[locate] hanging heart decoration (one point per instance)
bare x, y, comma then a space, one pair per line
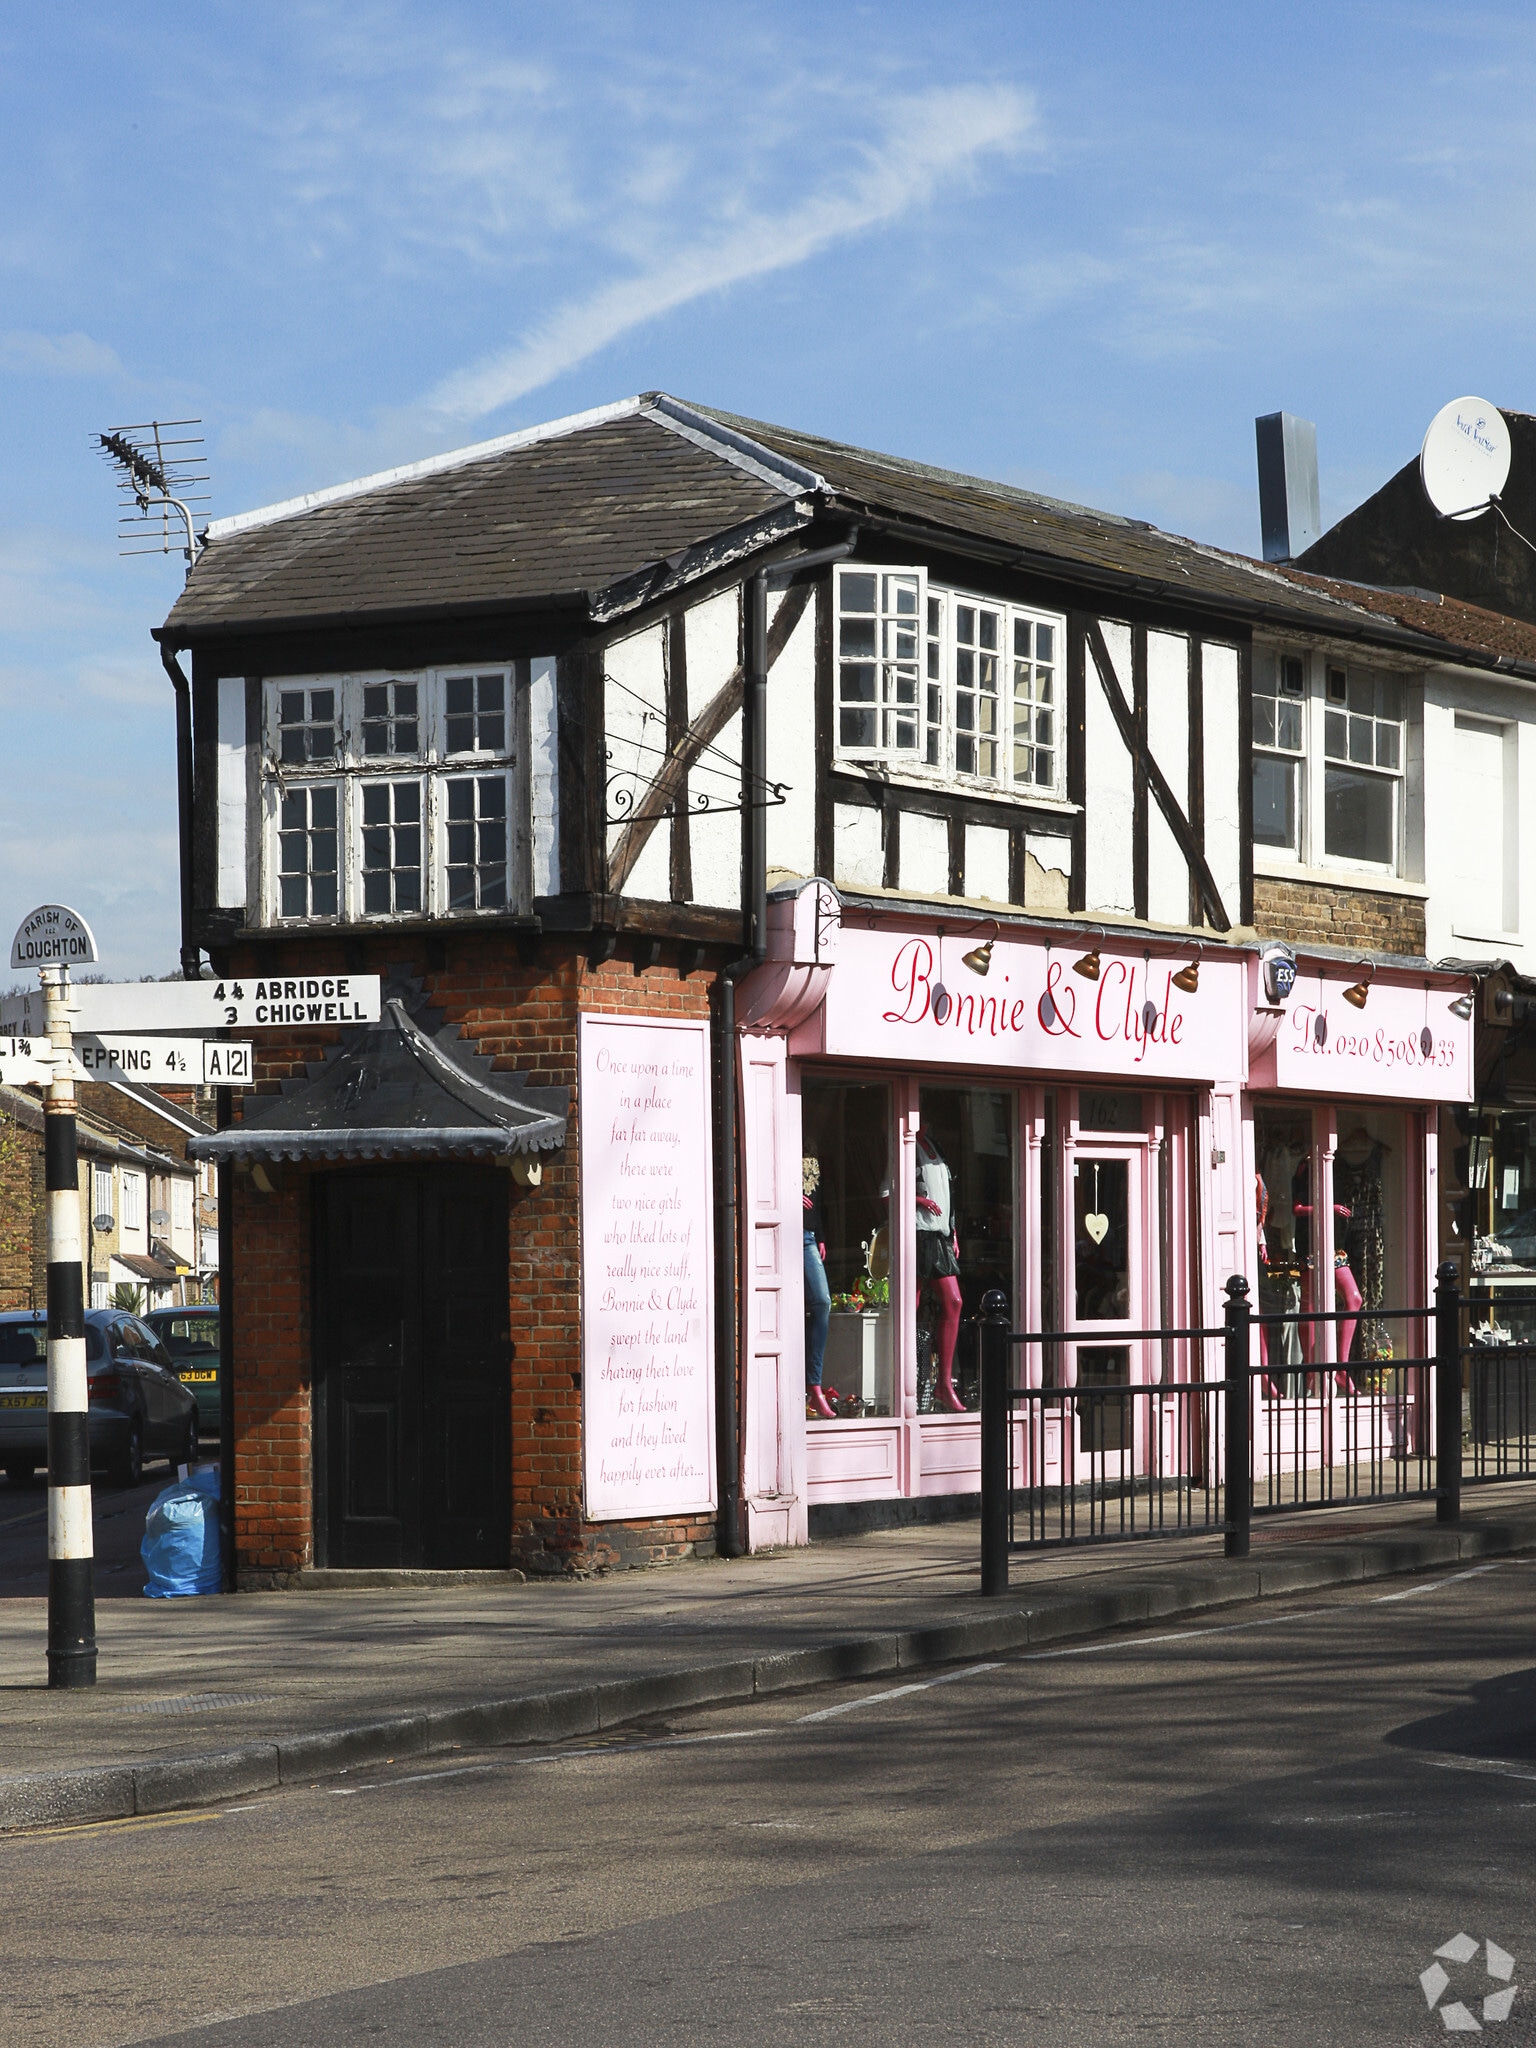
1097, 1226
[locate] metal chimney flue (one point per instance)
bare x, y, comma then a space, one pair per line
1288, 507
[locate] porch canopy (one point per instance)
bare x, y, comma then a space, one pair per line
394, 1090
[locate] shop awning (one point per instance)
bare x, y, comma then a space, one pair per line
398, 1089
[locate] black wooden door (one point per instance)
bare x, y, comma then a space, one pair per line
412, 1380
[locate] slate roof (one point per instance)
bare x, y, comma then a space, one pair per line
403, 1088
548, 519
565, 513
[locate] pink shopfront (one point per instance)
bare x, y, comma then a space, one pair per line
933, 1111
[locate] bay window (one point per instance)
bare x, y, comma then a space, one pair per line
948, 684
391, 796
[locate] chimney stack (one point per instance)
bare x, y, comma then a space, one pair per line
1288, 512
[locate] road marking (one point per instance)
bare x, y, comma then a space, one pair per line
1434, 1585
1492, 1769
129, 1824
555, 1756
1182, 1635
897, 1692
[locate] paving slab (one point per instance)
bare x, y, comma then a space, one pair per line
209, 1698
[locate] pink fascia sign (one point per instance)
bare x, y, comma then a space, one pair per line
647, 1353
1032, 1009
1325, 1046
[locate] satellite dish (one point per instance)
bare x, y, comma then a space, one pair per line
1464, 462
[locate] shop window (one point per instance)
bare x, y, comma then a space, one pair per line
1498, 1169
845, 1175
1369, 1272
963, 1235
1101, 1229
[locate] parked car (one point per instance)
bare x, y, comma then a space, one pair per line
138, 1407
191, 1335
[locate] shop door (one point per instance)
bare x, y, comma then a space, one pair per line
413, 1379
1107, 1292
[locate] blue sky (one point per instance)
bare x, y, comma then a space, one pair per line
1074, 246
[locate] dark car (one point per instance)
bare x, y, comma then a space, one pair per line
138, 1407
191, 1335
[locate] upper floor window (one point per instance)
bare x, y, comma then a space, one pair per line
1328, 760
133, 1201
947, 682
365, 818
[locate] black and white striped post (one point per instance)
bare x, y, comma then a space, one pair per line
71, 1549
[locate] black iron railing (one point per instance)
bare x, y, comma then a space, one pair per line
1104, 1459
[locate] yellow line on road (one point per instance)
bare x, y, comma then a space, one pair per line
129, 1823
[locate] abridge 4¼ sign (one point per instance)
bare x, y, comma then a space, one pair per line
110, 1008
51, 934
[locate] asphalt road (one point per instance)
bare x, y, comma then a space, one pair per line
117, 1516
1258, 1830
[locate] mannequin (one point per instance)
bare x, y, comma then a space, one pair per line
818, 1295
938, 1262
1345, 1287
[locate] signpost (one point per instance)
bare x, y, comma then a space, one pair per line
151, 1031
111, 1007
184, 1062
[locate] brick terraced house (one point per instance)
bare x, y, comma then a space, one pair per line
811, 889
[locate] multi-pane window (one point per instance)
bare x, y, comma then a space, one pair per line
475, 714
1279, 748
476, 834
133, 1201
391, 847
306, 726
879, 711
392, 795
308, 848
978, 662
1328, 760
181, 1204
1363, 756
101, 1198
391, 718
933, 684
1034, 703
948, 683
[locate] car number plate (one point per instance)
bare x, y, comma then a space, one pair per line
23, 1400
201, 1374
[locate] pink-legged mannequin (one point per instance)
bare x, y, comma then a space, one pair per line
946, 1292
1347, 1288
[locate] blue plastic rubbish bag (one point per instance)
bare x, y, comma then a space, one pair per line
181, 1538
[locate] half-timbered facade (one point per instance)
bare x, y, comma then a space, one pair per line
754, 831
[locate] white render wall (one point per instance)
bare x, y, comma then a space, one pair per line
1110, 790
1480, 818
636, 717
714, 650
792, 745
1168, 741
1224, 772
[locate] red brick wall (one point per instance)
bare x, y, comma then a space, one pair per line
1314, 914
524, 1014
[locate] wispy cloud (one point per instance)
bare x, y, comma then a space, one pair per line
24, 352
934, 140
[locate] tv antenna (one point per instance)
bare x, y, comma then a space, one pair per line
159, 466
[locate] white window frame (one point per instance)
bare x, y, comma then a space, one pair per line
181, 1203
886, 659
1311, 850
132, 1185
431, 767
936, 754
103, 1200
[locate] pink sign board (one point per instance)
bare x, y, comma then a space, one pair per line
647, 1373
1033, 1009
1378, 1050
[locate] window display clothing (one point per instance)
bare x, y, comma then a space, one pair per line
938, 1264
818, 1295
1345, 1287
1359, 1183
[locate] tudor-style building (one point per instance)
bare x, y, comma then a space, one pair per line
741, 821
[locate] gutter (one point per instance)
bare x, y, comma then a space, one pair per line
754, 924
191, 959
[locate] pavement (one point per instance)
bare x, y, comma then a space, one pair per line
217, 1697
